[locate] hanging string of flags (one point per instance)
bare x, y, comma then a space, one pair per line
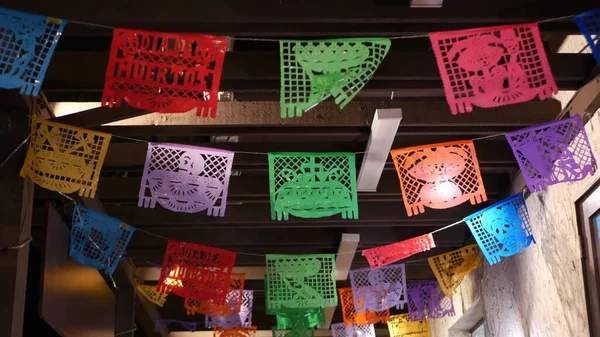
185, 178
175, 73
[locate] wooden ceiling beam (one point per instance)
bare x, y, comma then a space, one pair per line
234, 118
99, 116
155, 14
250, 215
260, 71
268, 240
157, 253
132, 156
254, 188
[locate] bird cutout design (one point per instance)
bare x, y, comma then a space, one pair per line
493, 66
450, 268
27, 43
312, 71
426, 300
341, 330
312, 185
402, 326
589, 24
439, 176
235, 332
164, 72
351, 314
187, 179
384, 255
199, 272
379, 289
65, 158
97, 240
300, 282
503, 229
553, 152
293, 276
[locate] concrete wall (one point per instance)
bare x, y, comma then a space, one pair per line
539, 292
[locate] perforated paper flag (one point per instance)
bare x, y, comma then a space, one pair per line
153, 296
241, 318
294, 319
312, 71
363, 317
232, 304
184, 178
402, 326
502, 229
427, 300
493, 66
235, 332
97, 240
589, 24
163, 323
553, 152
341, 330
300, 281
379, 289
313, 185
200, 272
164, 72
450, 268
65, 158
384, 255
439, 175
293, 333
27, 42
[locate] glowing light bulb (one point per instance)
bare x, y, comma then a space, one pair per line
172, 280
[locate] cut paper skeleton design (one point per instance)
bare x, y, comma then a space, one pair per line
506, 228
186, 190
498, 78
186, 179
381, 295
437, 169
439, 176
17, 61
493, 66
553, 158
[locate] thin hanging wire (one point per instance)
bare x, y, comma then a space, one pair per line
266, 153
257, 39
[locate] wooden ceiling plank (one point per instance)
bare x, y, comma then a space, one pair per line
156, 14
99, 116
132, 156
292, 238
418, 113
245, 70
252, 187
255, 215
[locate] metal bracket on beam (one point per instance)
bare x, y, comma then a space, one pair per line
426, 3
383, 131
343, 263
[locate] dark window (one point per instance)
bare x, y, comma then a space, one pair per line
588, 221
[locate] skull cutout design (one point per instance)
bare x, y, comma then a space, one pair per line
502, 229
438, 176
